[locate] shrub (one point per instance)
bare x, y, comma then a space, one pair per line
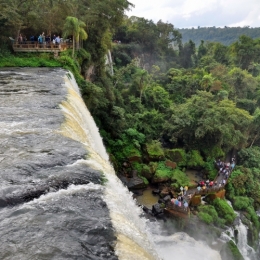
177, 155
210, 168
155, 150
213, 152
241, 203
233, 248
224, 210
208, 214
179, 179
163, 171
249, 157
205, 217
194, 159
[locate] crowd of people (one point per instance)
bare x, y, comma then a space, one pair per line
41, 39
224, 172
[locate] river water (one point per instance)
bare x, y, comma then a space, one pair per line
59, 196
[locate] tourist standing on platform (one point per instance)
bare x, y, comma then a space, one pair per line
40, 39
43, 38
57, 40
20, 38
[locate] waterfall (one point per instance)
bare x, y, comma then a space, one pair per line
133, 239
247, 252
109, 62
59, 196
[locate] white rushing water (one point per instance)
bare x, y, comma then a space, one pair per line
246, 251
135, 240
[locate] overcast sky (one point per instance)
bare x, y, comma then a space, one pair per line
204, 13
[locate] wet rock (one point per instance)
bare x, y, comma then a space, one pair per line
161, 201
167, 198
156, 209
156, 192
133, 183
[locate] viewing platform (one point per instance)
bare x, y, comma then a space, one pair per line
193, 196
29, 46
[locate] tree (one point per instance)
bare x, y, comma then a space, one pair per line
202, 122
243, 50
186, 54
202, 50
75, 27
242, 82
206, 81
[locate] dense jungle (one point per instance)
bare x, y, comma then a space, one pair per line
162, 100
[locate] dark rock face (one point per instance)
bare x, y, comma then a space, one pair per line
156, 209
132, 183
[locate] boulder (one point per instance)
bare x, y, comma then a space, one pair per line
160, 201
156, 192
134, 158
164, 192
177, 155
167, 198
147, 173
171, 164
155, 151
156, 179
156, 209
133, 183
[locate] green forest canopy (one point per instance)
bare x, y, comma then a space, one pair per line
226, 35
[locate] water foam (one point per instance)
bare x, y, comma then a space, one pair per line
133, 238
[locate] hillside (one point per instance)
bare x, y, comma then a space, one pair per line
225, 35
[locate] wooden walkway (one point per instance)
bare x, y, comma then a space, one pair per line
191, 193
40, 47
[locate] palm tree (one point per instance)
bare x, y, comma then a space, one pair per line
75, 27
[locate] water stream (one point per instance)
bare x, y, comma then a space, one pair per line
246, 251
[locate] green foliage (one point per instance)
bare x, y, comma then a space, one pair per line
199, 123
131, 151
235, 252
208, 214
210, 168
30, 61
207, 218
162, 171
129, 145
177, 155
154, 149
213, 152
238, 180
146, 182
226, 35
249, 157
241, 203
137, 166
224, 210
178, 179
194, 159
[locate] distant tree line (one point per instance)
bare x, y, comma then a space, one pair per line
226, 35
